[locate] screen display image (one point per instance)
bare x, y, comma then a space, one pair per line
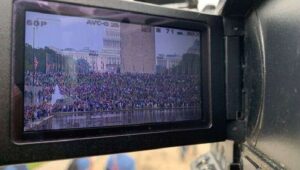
91, 73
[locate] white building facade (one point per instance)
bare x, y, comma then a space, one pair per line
107, 58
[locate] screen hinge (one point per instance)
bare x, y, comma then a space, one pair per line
236, 130
234, 34
234, 61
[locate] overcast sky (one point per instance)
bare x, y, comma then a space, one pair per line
73, 32
170, 41
64, 32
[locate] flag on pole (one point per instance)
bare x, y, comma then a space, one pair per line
36, 62
47, 64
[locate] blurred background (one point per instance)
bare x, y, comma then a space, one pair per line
173, 158
213, 7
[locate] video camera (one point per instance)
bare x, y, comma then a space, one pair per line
82, 78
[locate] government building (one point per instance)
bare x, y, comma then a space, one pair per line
106, 59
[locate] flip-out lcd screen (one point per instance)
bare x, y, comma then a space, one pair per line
91, 73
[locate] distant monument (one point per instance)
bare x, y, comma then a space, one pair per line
137, 49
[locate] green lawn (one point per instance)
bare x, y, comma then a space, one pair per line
32, 166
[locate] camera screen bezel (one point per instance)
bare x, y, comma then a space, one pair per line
20, 135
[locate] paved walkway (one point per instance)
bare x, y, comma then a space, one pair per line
55, 165
164, 159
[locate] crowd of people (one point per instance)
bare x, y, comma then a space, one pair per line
109, 92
